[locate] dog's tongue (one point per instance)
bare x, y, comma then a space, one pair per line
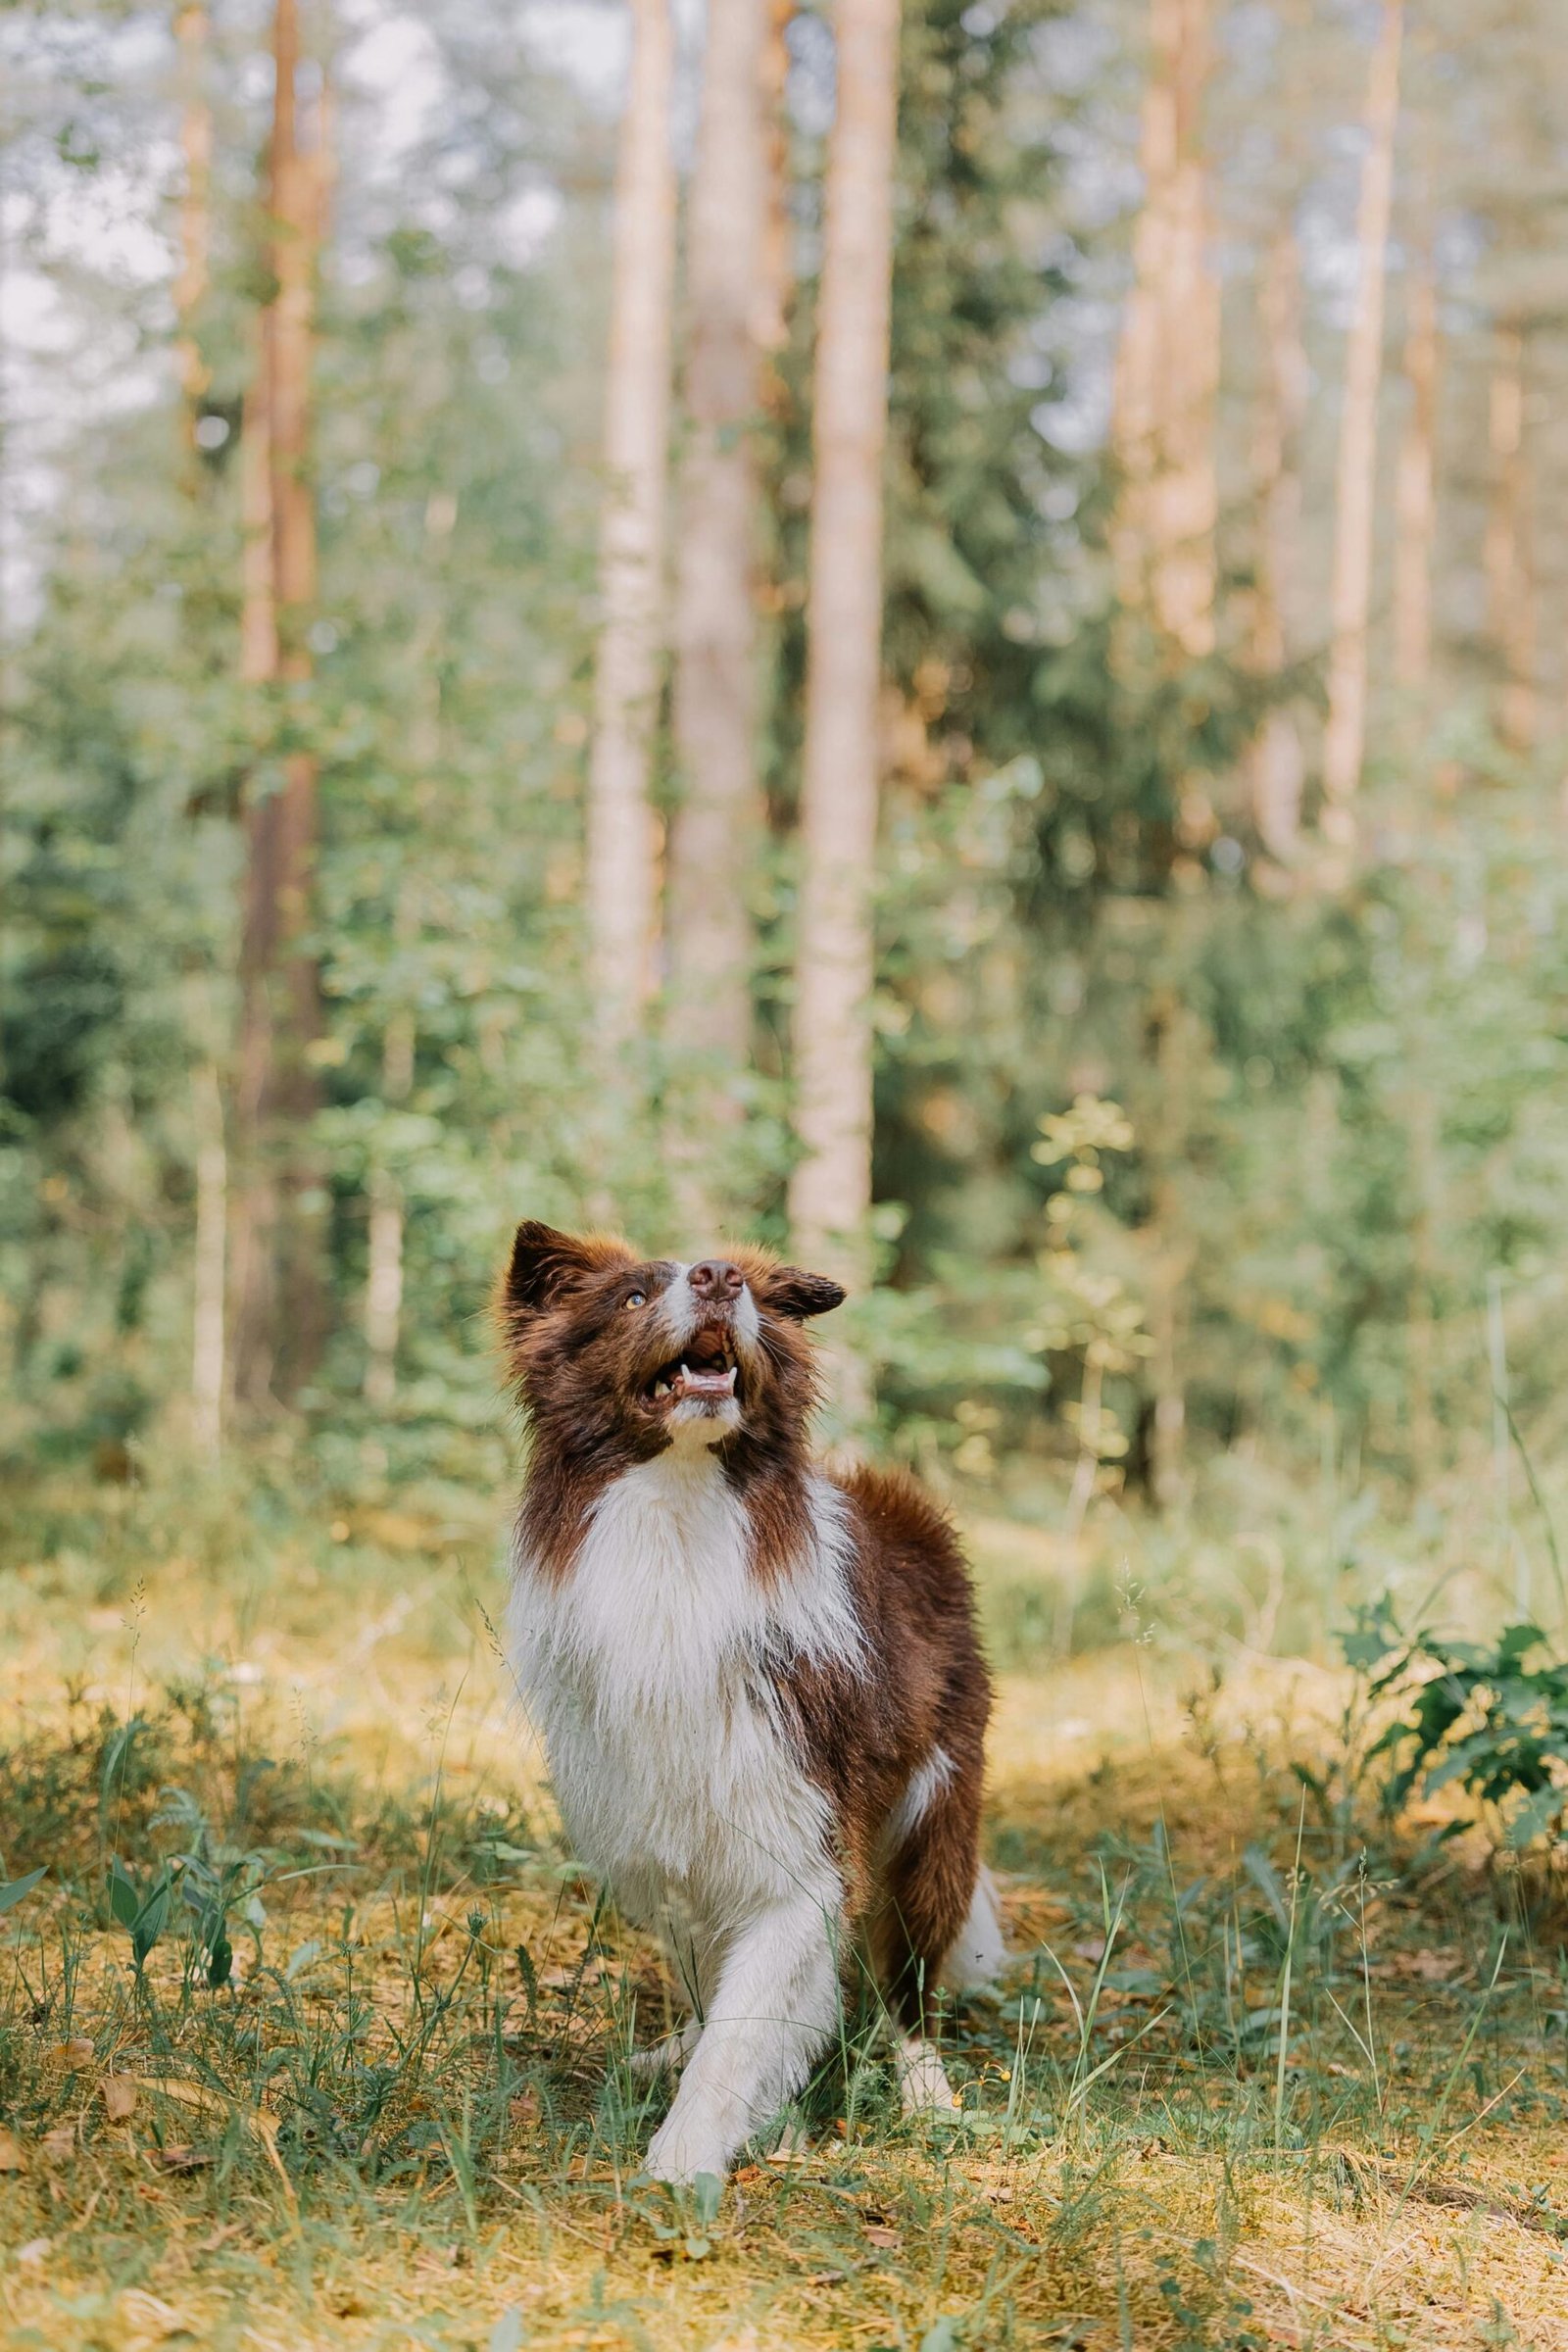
698, 1381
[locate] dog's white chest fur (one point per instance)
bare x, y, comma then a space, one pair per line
645, 1671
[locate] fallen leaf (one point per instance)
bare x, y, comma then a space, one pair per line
75, 2052
60, 2145
181, 2160
119, 2095
12, 2159
33, 2252
891, 2239
526, 2109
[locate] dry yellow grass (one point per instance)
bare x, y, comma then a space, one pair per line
1418, 2195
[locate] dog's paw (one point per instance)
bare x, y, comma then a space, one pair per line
682, 2149
923, 2086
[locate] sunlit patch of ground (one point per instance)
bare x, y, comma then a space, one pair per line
1251, 2080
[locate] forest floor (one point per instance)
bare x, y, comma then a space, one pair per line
1258, 2073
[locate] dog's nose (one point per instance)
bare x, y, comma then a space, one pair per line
718, 1280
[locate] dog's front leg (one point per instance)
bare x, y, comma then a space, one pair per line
773, 2010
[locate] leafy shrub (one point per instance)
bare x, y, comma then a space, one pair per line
1473, 1713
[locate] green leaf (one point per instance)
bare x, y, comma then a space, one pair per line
11, 1894
124, 1895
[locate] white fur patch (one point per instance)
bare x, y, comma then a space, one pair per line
979, 1953
925, 1785
645, 1671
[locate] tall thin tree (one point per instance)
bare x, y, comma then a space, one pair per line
1351, 594
278, 1316
716, 821
620, 877
1277, 758
1509, 568
830, 1189
1168, 364
1415, 482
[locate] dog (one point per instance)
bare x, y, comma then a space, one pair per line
758, 1685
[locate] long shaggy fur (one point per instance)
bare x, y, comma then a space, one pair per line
759, 1685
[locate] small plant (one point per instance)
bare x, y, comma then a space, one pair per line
1478, 1714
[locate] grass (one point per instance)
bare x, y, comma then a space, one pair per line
1263, 2073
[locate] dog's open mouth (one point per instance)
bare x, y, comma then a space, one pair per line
704, 1373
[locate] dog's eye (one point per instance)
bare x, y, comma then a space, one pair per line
635, 1298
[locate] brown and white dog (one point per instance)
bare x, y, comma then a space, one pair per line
759, 1685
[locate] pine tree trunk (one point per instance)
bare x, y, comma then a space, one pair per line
279, 1278
830, 1191
717, 821
1415, 488
1510, 584
208, 1368
1276, 760
621, 822
196, 144
1167, 369
1345, 734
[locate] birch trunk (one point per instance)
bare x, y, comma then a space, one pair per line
1345, 734
278, 1284
1168, 362
621, 849
830, 1191
1277, 759
715, 698
1510, 585
1415, 487
193, 275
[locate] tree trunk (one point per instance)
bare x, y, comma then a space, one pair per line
196, 143
620, 824
830, 1191
279, 1279
715, 702
1416, 486
1345, 734
208, 1369
384, 1285
1510, 584
1276, 759
1167, 369
776, 277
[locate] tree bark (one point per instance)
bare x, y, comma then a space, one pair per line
1276, 759
208, 1368
279, 1279
716, 821
1167, 369
830, 1191
1345, 734
621, 851
1510, 583
1415, 485
193, 276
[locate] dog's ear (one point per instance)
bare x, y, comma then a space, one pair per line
542, 1261
789, 1291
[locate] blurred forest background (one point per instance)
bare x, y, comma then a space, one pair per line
599, 625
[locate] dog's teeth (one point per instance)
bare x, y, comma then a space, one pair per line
729, 1381
661, 1388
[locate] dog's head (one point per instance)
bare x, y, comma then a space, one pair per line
616, 1357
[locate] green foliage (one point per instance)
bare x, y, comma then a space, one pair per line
1479, 1714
